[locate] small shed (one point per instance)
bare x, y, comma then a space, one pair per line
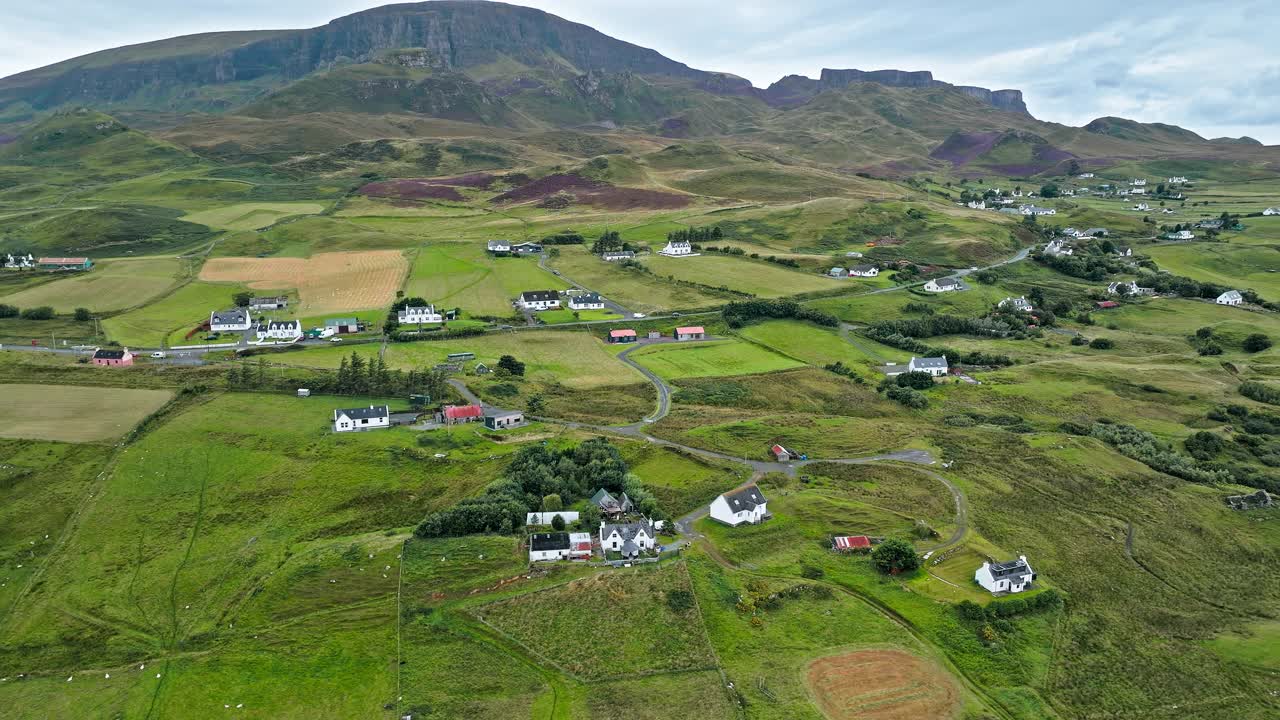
343, 326
304, 392
504, 420
850, 543
622, 336
655, 335
691, 332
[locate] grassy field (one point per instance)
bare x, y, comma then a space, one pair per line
166, 320
251, 216
75, 414
466, 276
1232, 265
680, 481
634, 290
746, 276
111, 285
821, 346
710, 359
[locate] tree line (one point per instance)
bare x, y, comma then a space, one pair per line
696, 235
354, 376
744, 312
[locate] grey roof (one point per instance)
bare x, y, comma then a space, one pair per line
279, 324
604, 500
498, 244
108, 354
862, 268
628, 531
1012, 568
1231, 295
630, 548
947, 282
275, 299
539, 295
617, 253
549, 541
934, 362
334, 322
364, 413
678, 243
586, 298
503, 413
746, 498
230, 317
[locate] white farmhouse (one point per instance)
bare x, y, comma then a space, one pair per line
19, 262
1085, 176
1138, 191
586, 301
1130, 288
539, 300
936, 366
499, 246
1181, 235
864, 271
630, 539
1141, 207
357, 419
677, 248
616, 255
1057, 246
1179, 180
420, 316
1230, 297
977, 205
744, 505
230, 321
280, 330
1271, 211
1138, 182
943, 285
1013, 576
1037, 210
1017, 303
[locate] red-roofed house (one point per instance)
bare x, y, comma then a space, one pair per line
65, 263
693, 332
846, 543
781, 453
622, 336
1107, 304
458, 414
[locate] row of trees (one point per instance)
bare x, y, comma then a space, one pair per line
696, 235
355, 376
611, 241
744, 312
42, 312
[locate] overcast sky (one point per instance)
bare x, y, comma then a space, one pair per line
1212, 67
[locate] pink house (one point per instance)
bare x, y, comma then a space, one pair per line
693, 332
112, 357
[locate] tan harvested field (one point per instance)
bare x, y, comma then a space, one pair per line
68, 413
326, 282
882, 685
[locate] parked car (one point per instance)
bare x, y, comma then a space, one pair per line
158, 355
335, 339
637, 315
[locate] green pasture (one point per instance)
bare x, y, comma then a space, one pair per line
111, 285
710, 359
167, 320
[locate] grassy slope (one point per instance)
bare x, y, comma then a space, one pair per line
111, 285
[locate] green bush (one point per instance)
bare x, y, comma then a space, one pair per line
1101, 343
1260, 392
911, 398
895, 556
44, 312
915, 379
1256, 342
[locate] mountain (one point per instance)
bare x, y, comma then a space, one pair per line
797, 89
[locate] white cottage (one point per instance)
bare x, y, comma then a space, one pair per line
1017, 303
357, 419
1012, 577
230, 321
280, 330
864, 271
1271, 211
586, 301
630, 539
936, 366
1230, 297
745, 505
943, 285
677, 248
427, 315
539, 300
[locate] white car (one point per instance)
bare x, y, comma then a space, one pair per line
158, 355
335, 339
637, 315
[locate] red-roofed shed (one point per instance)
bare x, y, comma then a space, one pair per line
844, 543
622, 336
1107, 304
455, 414
692, 332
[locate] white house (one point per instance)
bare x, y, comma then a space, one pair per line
1181, 235
1129, 288
586, 301
499, 246
1271, 211
977, 205
1085, 175
1013, 576
1055, 247
1230, 297
630, 539
943, 285
356, 419
744, 505
935, 366
616, 255
1141, 207
1138, 191
420, 316
539, 300
544, 518
559, 546
19, 262
1037, 210
677, 248
230, 320
280, 330
1177, 180
1124, 251
1017, 303
864, 271
1138, 182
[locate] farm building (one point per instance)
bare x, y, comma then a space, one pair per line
616, 255
559, 546
622, 336
269, 303
610, 506
539, 300
586, 301
1037, 210
1230, 297
745, 505
280, 330
1012, 576
112, 358
544, 518
503, 419
936, 366
848, 543
526, 248
630, 539
1180, 235
427, 315
459, 414
783, 454
1017, 303
304, 392
498, 246
1252, 501
692, 332
838, 272
1129, 288
1106, 304
230, 321
943, 285
65, 263
343, 326
677, 248
864, 271
655, 335
357, 419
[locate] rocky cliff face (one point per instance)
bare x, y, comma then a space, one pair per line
797, 89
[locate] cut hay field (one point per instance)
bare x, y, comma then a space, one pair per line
748, 276
711, 359
168, 319
111, 285
69, 413
465, 275
252, 216
882, 685
326, 282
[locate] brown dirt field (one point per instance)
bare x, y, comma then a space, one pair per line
882, 685
326, 283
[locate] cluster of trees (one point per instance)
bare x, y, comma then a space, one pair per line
568, 237
696, 235
895, 556
354, 376
535, 475
909, 397
1261, 392
1150, 451
42, 312
1254, 439
741, 313
1084, 265
511, 365
1010, 607
892, 332
611, 241
455, 334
